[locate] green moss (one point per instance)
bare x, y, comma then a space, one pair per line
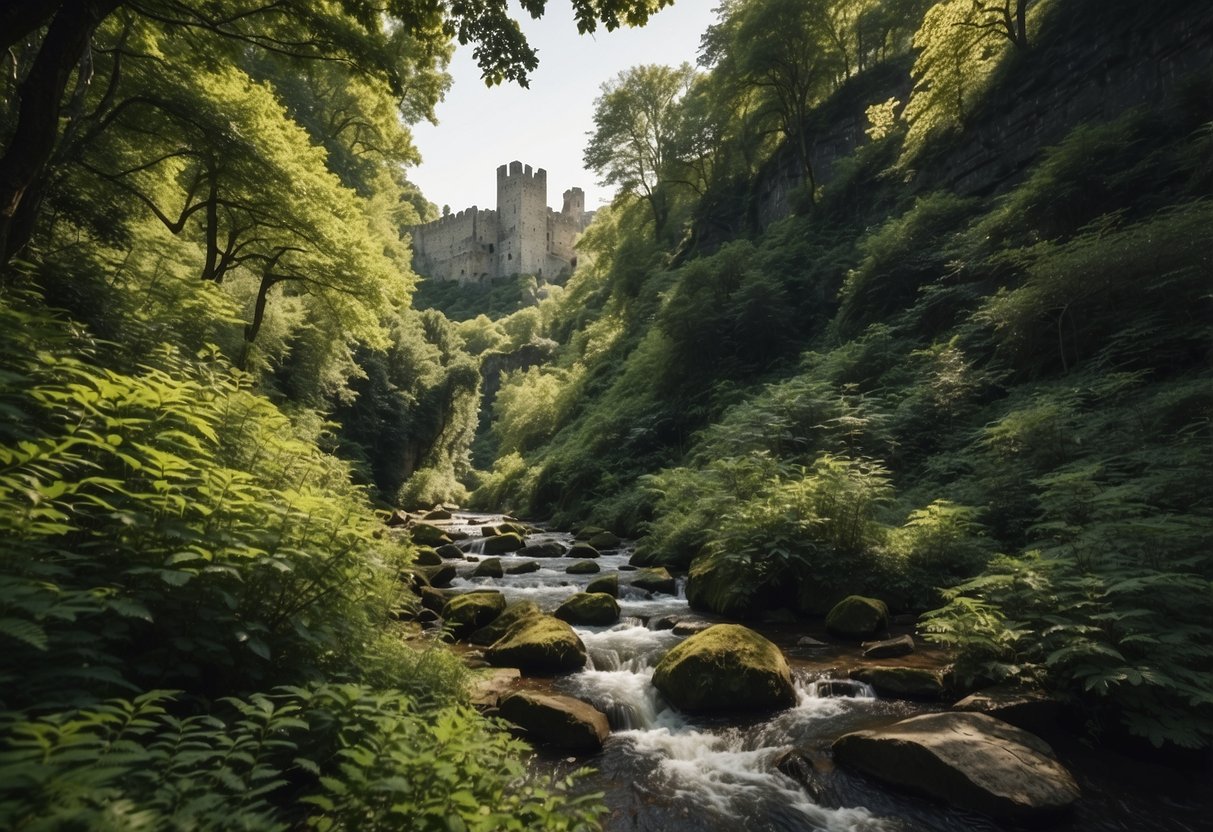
726, 667
858, 617
592, 608
465, 613
540, 644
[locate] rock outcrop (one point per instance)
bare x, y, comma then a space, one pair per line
557, 720
968, 760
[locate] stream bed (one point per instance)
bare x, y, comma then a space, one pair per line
662, 771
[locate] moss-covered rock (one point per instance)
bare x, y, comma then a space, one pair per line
437, 514
557, 720
858, 617
903, 682
608, 583
583, 567
438, 576
586, 532
425, 534
522, 568
473, 610
513, 527
582, 550
725, 668
539, 644
502, 543
501, 624
427, 557
432, 599
450, 552
488, 568
589, 608
726, 586
604, 540
545, 549
657, 579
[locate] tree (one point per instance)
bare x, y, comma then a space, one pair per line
957, 54
788, 50
635, 125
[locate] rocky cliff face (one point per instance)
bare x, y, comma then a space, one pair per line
1094, 77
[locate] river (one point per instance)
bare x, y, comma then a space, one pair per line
661, 771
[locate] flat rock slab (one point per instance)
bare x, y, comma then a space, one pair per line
1031, 710
903, 682
691, 626
968, 760
488, 686
890, 648
557, 720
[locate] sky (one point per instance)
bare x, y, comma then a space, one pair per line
545, 126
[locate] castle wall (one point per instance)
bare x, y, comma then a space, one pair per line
523, 236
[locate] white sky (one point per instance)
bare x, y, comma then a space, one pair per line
544, 126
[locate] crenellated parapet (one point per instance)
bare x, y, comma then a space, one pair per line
521, 236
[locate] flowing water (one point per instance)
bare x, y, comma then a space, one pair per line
662, 771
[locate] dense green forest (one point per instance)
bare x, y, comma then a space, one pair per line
987, 399
939, 360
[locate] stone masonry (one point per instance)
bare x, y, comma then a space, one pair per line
523, 236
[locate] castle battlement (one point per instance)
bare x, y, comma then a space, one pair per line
523, 235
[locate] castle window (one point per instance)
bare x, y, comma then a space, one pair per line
509, 257
490, 248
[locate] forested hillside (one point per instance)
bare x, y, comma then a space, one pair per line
209, 369
897, 298
968, 372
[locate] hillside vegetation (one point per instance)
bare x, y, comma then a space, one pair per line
990, 401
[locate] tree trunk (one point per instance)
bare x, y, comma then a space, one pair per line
18, 18
24, 160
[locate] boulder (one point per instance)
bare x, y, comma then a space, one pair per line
590, 608
608, 583
488, 568
437, 514
439, 576
427, 557
725, 668
501, 624
450, 551
502, 543
582, 550
902, 682
546, 549
522, 568
1031, 710
691, 626
968, 760
665, 622
557, 720
488, 686
604, 540
858, 617
890, 648
728, 587
432, 599
473, 610
489, 531
513, 527
398, 518
586, 532
583, 567
425, 534
657, 579
539, 644
457, 534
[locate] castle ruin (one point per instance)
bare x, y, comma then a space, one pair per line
523, 236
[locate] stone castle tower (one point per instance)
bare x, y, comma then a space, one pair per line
522, 236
